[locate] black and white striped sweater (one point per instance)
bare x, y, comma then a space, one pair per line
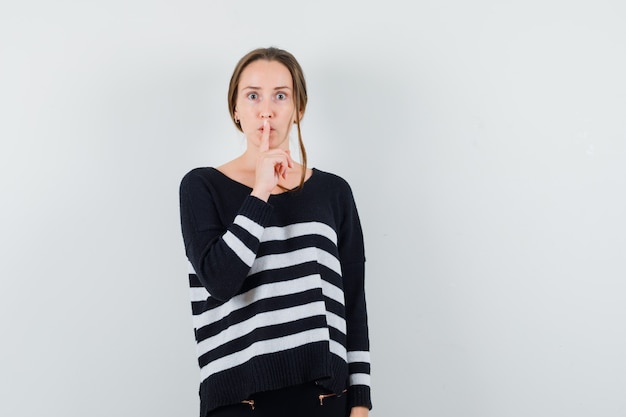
277, 288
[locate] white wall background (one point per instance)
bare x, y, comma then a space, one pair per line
485, 142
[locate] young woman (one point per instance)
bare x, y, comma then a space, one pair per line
276, 250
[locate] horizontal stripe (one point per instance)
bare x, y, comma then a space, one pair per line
268, 333
260, 320
296, 257
335, 321
332, 292
251, 226
359, 356
360, 379
299, 229
243, 252
357, 367
198, 294
337, 349
275, 289
262, 348
329, 261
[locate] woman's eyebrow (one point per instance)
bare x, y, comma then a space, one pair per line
258, 88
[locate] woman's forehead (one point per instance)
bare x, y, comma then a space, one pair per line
263, 73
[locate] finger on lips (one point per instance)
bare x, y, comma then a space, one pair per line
282, 160
265, 137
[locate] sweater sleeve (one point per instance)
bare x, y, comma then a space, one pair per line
221, 254
352, 255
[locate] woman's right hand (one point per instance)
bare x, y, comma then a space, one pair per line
272, 164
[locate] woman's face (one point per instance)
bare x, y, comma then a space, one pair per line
265, 91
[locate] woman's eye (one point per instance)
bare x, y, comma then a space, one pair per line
253, 96
281, 96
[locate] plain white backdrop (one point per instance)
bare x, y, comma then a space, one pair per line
485, 143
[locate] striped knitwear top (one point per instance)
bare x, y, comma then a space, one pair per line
277, 287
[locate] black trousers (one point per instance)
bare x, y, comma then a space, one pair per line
296, 401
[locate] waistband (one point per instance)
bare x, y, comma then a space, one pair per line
306, 394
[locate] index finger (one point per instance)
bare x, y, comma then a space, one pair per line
265, 137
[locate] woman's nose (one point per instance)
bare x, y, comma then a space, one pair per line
266, 111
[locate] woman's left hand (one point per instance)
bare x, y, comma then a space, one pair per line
359, 412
